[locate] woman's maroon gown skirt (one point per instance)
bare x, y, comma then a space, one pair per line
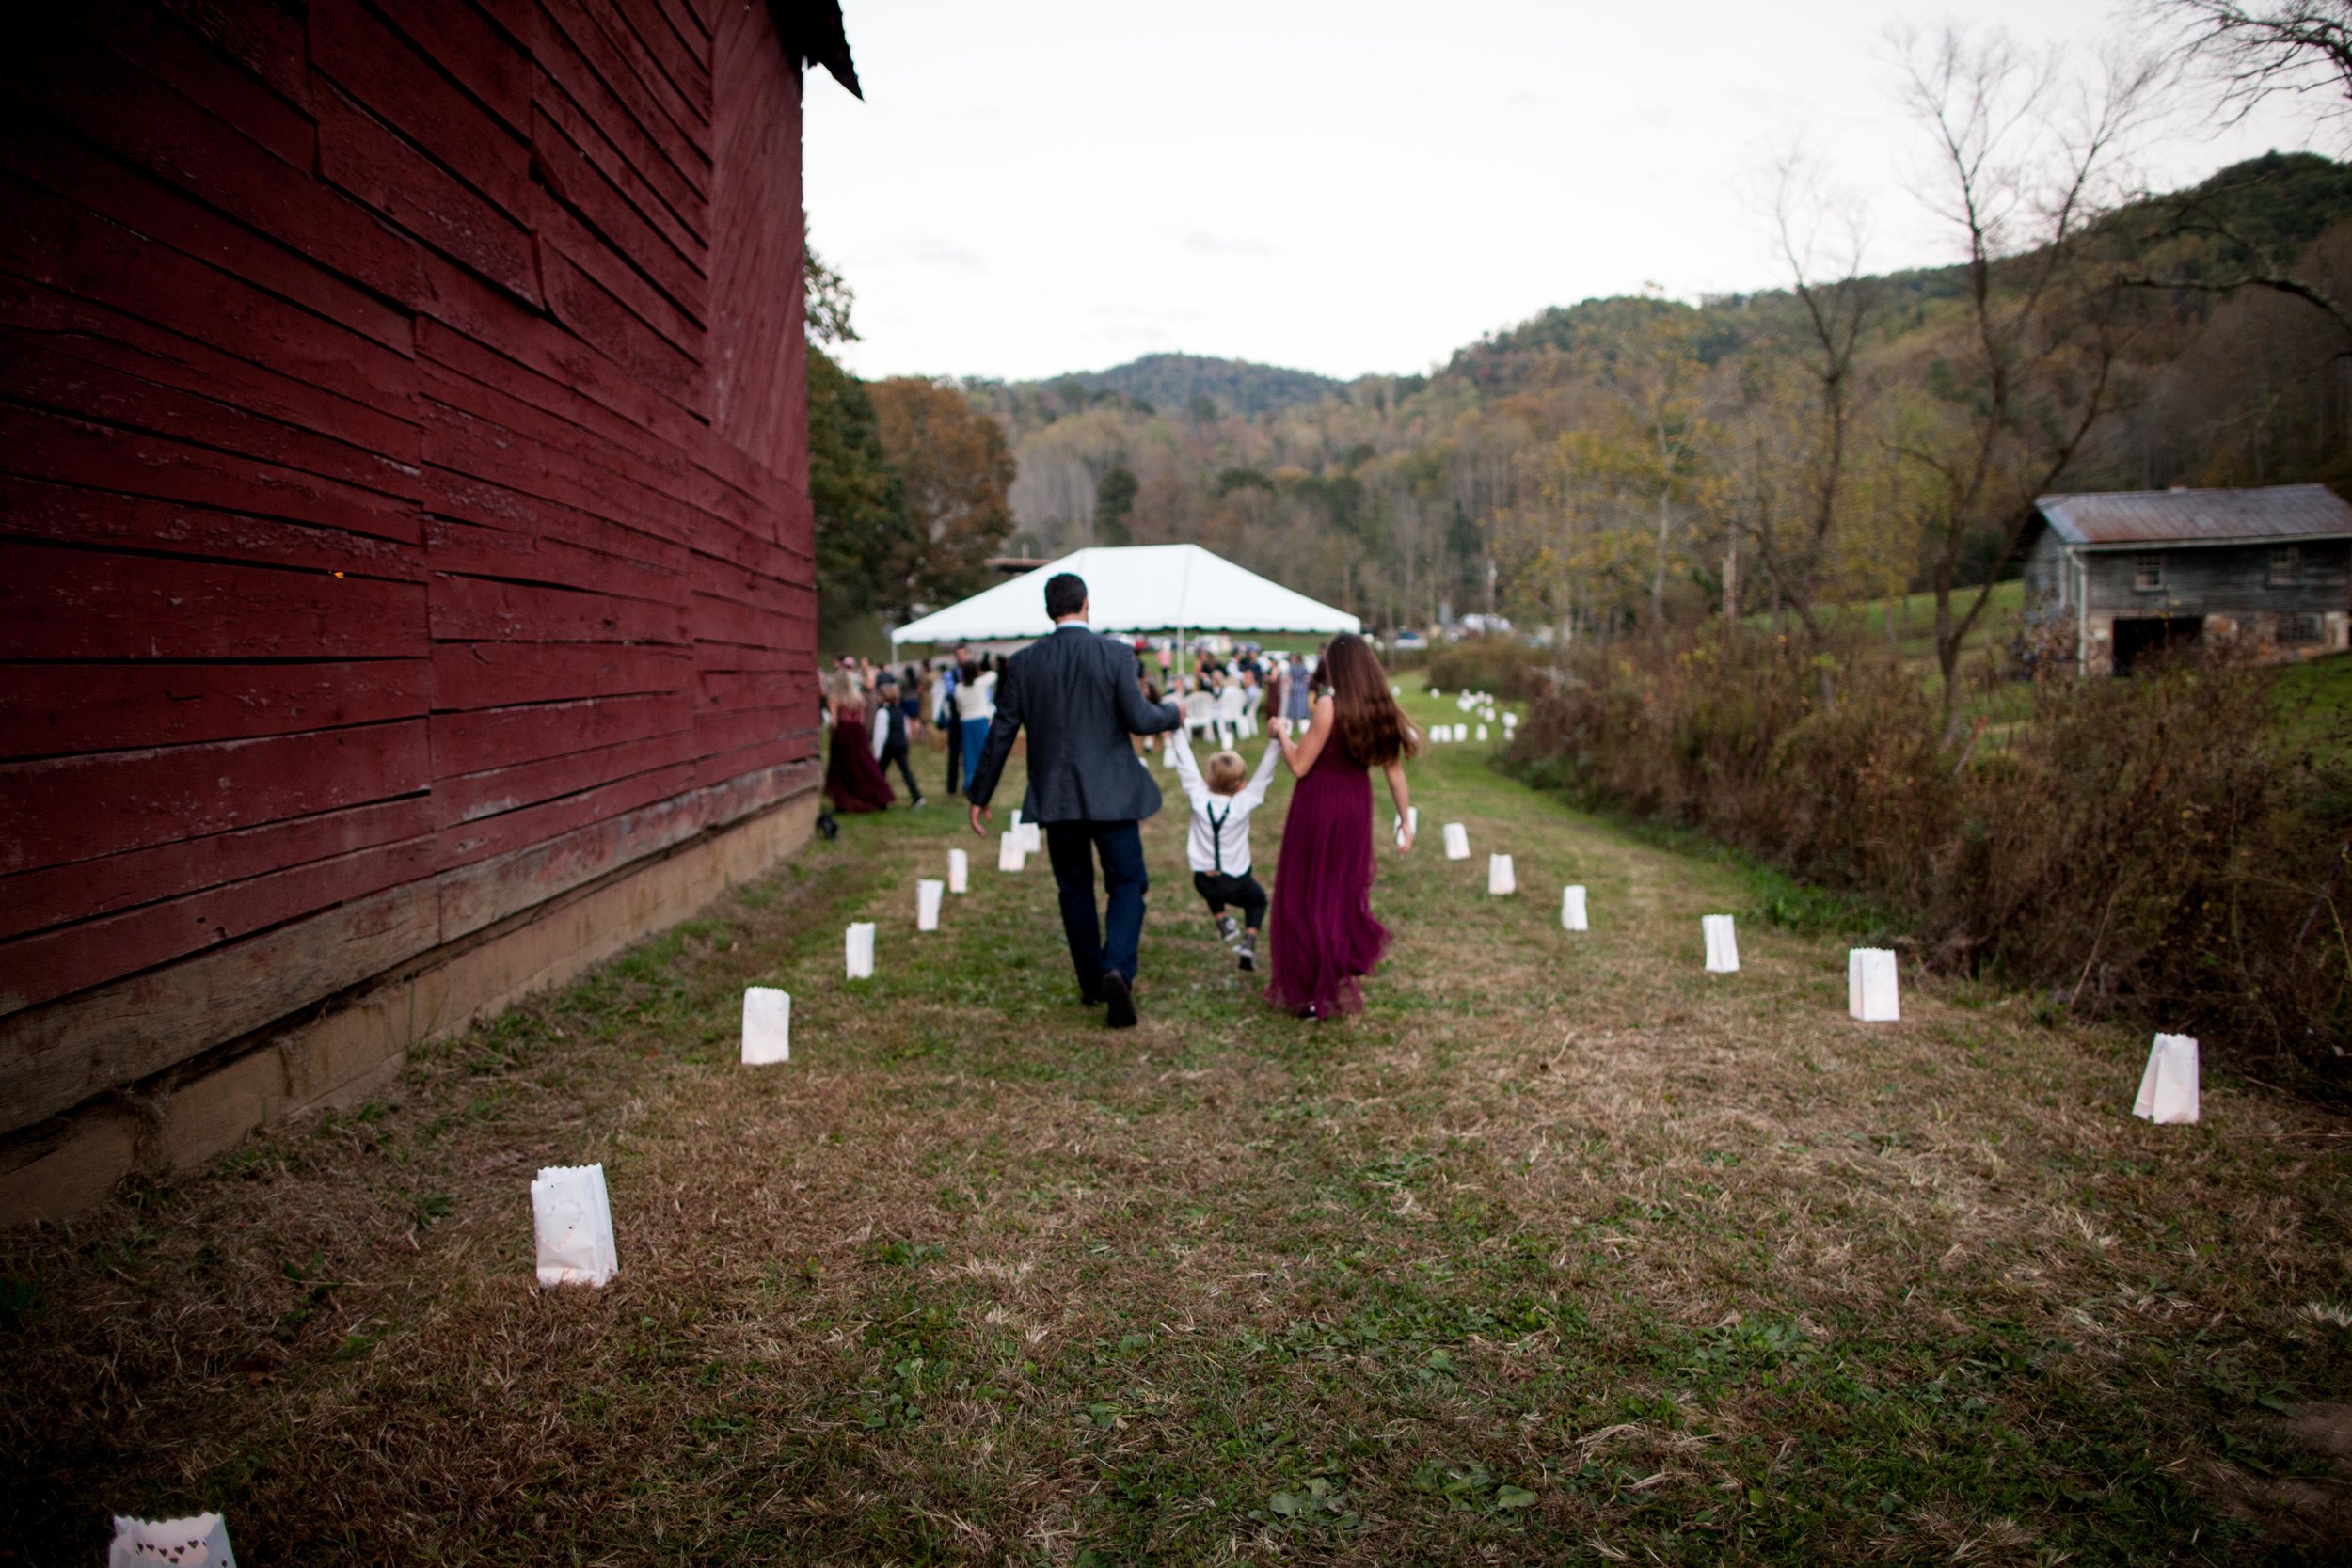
853, 780
1321, 927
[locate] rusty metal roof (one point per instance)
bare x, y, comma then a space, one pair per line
2198, 516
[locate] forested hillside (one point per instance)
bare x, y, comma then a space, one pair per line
1834, 436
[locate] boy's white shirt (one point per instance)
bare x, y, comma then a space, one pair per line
1202, 844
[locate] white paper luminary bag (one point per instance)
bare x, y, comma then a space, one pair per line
1457, 841
1008, 852
1500, 877
572, 1214
858, 950
927, 894
201, 1541
2168, 1088
1871, 982
767, 1025
1572, 913
1722, 944
1482, 732
959, 871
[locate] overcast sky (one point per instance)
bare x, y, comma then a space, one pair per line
1032, 187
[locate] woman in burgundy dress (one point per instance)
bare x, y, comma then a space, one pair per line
852, 778
1325, 938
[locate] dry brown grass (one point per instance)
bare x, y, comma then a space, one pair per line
1563, 1251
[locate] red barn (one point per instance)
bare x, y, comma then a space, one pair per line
405, 526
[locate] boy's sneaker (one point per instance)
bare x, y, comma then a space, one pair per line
1228, 928
1247, 952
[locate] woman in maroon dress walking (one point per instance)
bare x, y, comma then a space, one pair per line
853, 779
1325, 938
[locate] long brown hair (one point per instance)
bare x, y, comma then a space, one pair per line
1367, 725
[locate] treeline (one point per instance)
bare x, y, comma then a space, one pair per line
1636, 462
909, 482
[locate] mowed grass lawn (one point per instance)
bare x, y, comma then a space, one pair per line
1563, 1252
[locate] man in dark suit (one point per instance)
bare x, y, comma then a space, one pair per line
1080, 696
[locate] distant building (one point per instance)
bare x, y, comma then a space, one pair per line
2115, 577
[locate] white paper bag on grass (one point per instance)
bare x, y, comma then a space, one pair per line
2167, 1089
1457, 841
928, 894
767, 1025
1461, 732
1500, 877
1482, 732
572, 1214
959, 871
1870, 986
859, 950
201, 1541
1723, 945
1008, 852
1572, 913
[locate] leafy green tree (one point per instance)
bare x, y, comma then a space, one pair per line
863, 531
1114, 499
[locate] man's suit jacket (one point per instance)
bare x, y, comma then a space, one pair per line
1078, 694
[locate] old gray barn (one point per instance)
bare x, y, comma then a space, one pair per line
2114, 576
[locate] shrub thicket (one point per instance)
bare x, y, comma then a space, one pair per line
1500, 666
2162, 847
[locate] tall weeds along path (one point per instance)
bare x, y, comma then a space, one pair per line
1564, 1251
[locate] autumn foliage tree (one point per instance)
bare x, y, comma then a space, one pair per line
955, 470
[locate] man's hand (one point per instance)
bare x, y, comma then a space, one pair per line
979, 821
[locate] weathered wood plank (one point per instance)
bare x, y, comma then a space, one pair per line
358, 155
56, 709
138, 204
471, 797
597, 317
378, 68
56, 1056
480, 739
36, 373
80, 604
65, 514
501, 675
483, 837
102, 335
68, 809
147, 121
66, 450
58, 962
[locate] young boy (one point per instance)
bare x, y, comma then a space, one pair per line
1218, 848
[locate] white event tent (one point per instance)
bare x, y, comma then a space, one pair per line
1135, 589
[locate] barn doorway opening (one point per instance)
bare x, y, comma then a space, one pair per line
2143, 638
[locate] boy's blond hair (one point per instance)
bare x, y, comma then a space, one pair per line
1225, 773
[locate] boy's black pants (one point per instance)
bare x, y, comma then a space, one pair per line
896, 751
1243, 893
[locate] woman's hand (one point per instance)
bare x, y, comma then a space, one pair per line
1404, 840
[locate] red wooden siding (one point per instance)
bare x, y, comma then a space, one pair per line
402, 477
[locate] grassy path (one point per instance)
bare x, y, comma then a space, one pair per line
1564, 1251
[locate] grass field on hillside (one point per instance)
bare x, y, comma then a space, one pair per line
1563, 1252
